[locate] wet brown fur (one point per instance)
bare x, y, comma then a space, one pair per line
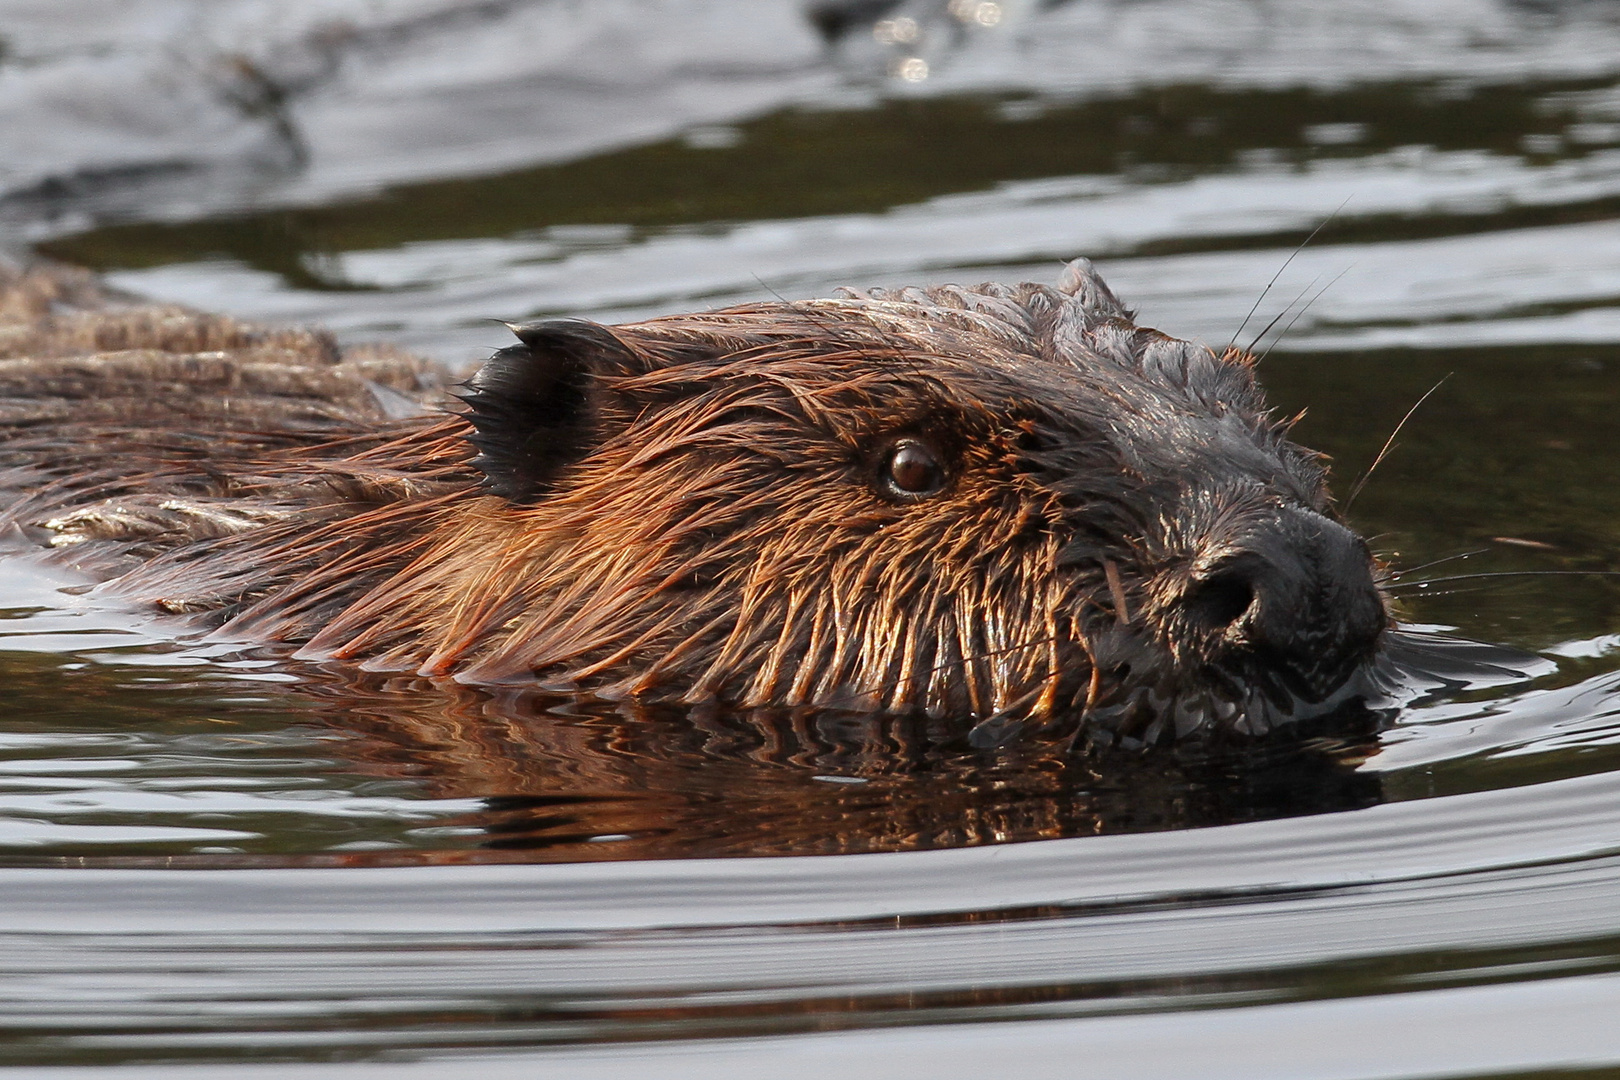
715, 534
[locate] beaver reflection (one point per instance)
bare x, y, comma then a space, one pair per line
565, 782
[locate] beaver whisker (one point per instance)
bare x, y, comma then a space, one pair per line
1395, 575
1389, 443
1456, 592
1287, 309
1449, 578
1298, 315
1292, 255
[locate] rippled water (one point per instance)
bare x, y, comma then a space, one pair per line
211, 857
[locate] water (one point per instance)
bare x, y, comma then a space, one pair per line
217, 861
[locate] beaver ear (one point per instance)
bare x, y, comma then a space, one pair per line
532, 405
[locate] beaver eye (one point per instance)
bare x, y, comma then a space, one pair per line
911, 471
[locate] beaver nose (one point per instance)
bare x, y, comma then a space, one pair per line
1296, 593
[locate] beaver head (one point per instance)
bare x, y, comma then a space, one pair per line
1007, 502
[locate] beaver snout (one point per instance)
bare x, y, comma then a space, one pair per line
1295, 595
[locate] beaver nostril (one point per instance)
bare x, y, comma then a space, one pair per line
1294, 595
1220, 600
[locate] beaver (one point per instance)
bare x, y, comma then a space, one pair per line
1005, 504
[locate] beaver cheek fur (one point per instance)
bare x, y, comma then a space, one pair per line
1005, 504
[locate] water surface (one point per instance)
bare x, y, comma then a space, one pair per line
217, 859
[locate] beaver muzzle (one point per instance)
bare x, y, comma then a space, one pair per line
1278, 622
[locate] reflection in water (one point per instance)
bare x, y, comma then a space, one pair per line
251, 760
565, 780
151, 766
638, 781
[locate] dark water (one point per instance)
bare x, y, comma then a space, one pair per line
213, 858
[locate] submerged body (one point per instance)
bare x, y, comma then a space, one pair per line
1006, 502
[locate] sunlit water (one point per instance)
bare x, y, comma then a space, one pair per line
213, 856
